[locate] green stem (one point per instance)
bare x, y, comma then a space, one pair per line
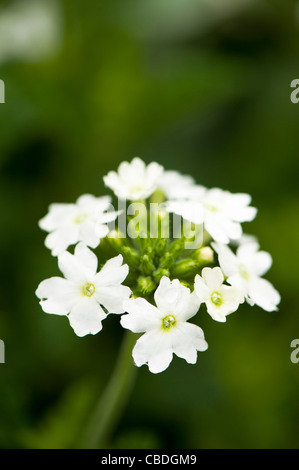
114, 398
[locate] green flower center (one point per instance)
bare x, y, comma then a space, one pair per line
211, 207
88, 289
135, 189
80, 218
216, 298
243, 272
168, 322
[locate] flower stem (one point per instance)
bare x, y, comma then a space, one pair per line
114, 398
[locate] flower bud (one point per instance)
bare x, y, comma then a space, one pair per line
116, 239
185, 267
205, 255
131, 256
166, 261
160, 246
146, 264
159, 273
146, 285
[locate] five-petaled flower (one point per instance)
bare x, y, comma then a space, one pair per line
220, 299
84, 294
165, 327
220, 211
134, 180
85, 221
244, 270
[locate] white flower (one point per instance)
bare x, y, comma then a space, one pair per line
83, 292
134, 180
85, 221
171, 183
220, 211
220, 300
165, 326
244, 270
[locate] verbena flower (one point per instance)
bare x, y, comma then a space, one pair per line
134, 180
220, 211
168, 276
165, 327
220, 299
244, 270
83, 293
85, 221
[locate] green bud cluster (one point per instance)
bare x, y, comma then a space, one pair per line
150, 258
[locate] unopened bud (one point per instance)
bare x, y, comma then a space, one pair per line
185, 267
166, 261
131, 256
161, 246
146, 285
146, 264
205, 255
159, 273
177, 247
116, 239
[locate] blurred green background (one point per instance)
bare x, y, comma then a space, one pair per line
203, 87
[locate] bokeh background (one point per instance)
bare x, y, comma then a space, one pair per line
202, 87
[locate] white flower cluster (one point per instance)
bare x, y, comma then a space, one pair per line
165, 283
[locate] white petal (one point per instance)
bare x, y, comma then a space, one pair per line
166, 294
238, 207
112, 180
191, 307
222, 229
86, 257
142, 316
86, 317
263, 262
113, 297
57, 295
88, 233
228, 261
153, 173
170, 182
151, 349
188, 340
247, 252
257, 262
237, 281
133, 171
213, 277
216, 312
106, 217
59, 240
173, 298
189, 210
57, 215
201, 289
113, 272
264, 294
73, 268
91, 203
